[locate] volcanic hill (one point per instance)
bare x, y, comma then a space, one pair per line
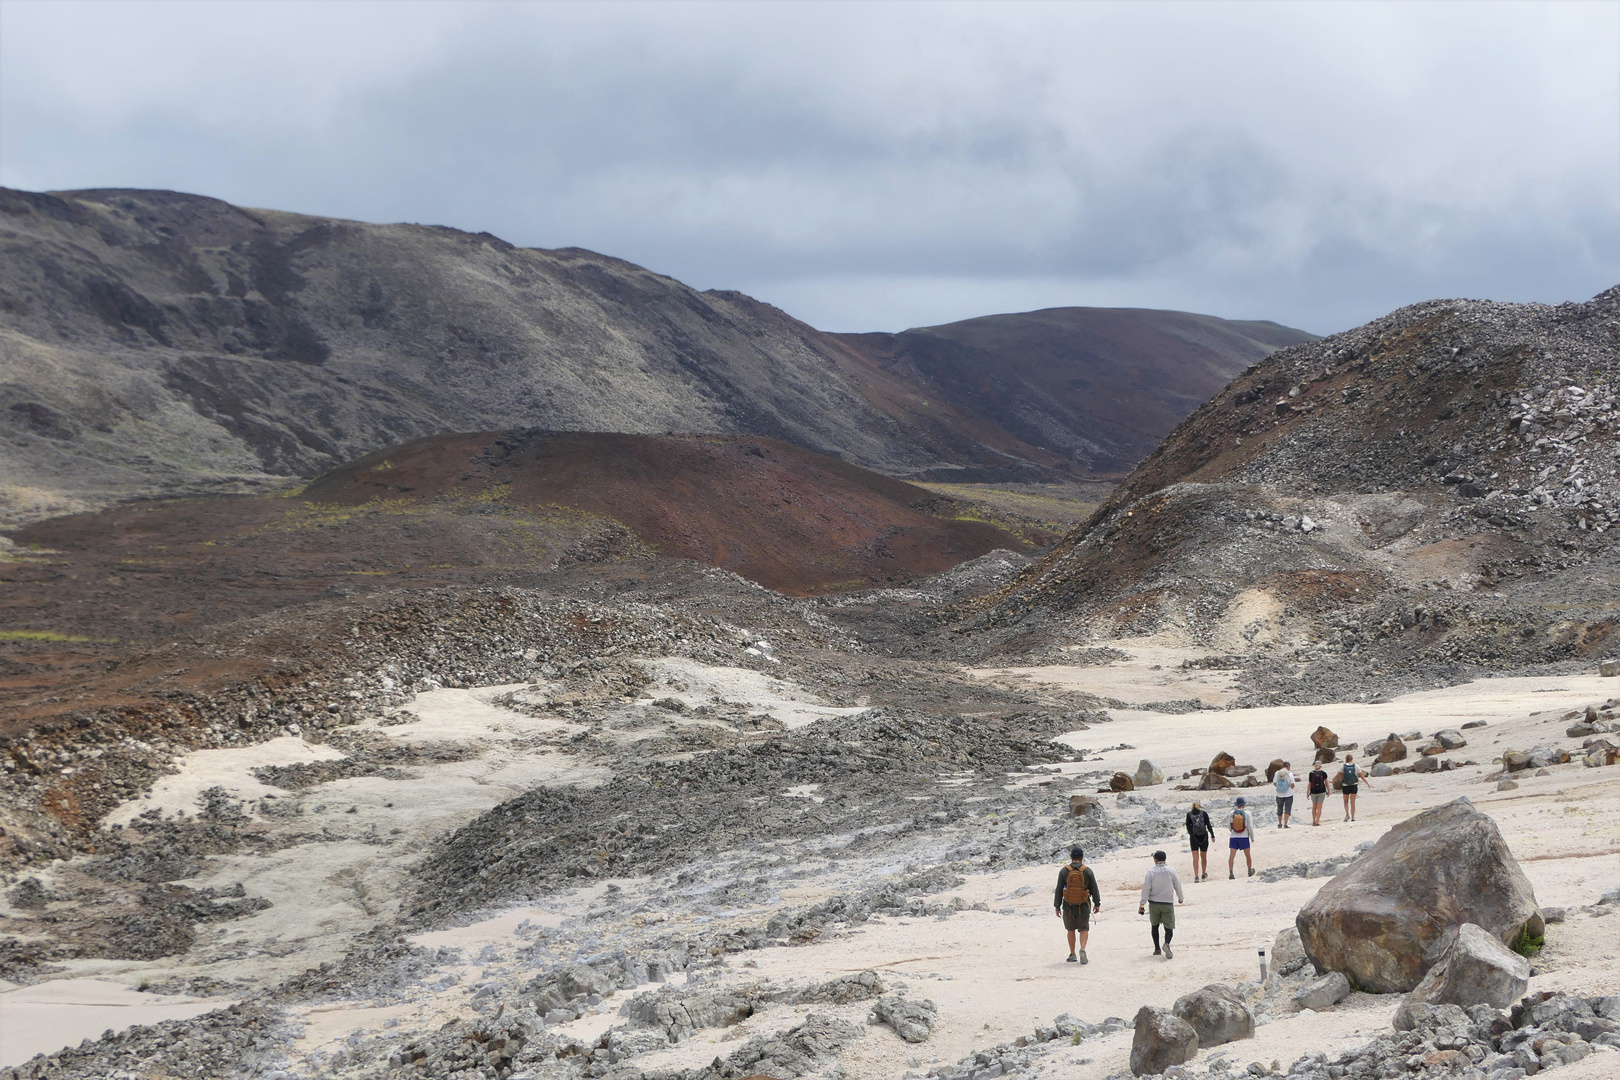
1099, 386
157, 343
1429, 492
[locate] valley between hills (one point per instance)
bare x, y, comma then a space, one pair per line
426, 657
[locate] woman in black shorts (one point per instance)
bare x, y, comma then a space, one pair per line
1350, 780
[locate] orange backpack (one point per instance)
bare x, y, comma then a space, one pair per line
1074, 889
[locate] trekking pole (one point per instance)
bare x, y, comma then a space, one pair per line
1262, 965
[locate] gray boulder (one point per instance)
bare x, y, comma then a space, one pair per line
1476, 969
1324, 992
1147, 774
1383, 769
1382, 920
1421, 1016
1288, 952
1162, 1039
1450, 739
1217, 1014
912, 1020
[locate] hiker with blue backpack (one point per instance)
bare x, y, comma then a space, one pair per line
1350, 781
1241, 825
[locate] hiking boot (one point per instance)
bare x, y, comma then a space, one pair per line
1083, 959
1231, 876
1251, 871
1156, 952
1347, 815
1073, 959
1168, 955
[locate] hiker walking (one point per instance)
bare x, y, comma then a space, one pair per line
1316, 786
1198, 829
1350, 781
1074, 899
1241, 825
1284, 779
1158, 888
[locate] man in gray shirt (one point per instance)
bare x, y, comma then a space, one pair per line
1161, 885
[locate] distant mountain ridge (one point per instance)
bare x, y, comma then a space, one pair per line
159, 343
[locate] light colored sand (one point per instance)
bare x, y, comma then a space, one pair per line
694, 684
469, 716
1152, 673
44, 1018
230, 768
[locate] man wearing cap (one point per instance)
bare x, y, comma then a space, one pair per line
1159, 888
1074, 899
1241, 825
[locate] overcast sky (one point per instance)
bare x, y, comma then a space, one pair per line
870, 166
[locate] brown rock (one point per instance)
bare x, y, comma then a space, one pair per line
1238, 770
1323, 739
1392, 750
1081, 804
1222, 762
1381, 917
1325, 755
1213, 781
1272, 769
1121, 782
1162, 1039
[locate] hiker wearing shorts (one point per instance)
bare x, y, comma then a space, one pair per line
1161, 885
1075, 903
1316, 785
1284, 779
1350, 781
1199, 828
1241, 824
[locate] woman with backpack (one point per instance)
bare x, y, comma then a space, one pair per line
1198, 829
1350, 781
1241, 825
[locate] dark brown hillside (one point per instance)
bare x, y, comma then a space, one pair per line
1096, 388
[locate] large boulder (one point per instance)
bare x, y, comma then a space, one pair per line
1222, 762
1162, 1039
912, 1020
1217, 1014
1213, 781
1476, 969
1323, 739
1383, 920
1121, 782
1273, 769
1147, 774
1080, 805
1392, 749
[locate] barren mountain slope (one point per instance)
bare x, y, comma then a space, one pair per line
1098, 387
1433, 488
159, 343
162, 342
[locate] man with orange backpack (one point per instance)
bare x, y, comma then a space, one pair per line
1074, 899
1242, 826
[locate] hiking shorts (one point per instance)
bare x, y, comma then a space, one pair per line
1077, 916
1240, 843
1198, 843
1351, 789
1318, 798
1285, 804
1162, 915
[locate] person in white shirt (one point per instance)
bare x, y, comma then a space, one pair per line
1161, 885
1284, 779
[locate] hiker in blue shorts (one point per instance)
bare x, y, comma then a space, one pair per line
1241, 823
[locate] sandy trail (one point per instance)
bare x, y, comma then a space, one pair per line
41, 1019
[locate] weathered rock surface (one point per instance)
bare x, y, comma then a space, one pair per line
1323, 739
1288, 952
912, 1019
1147, 774
1217, 1014
1162, 1039
1380, 920
1476, 969
1323, 992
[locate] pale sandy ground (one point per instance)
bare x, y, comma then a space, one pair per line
995, 976
41, 1019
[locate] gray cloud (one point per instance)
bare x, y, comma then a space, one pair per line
878, 166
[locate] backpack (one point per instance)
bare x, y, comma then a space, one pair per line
1197, 826
1240, 822
1074, 888
1349, 772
